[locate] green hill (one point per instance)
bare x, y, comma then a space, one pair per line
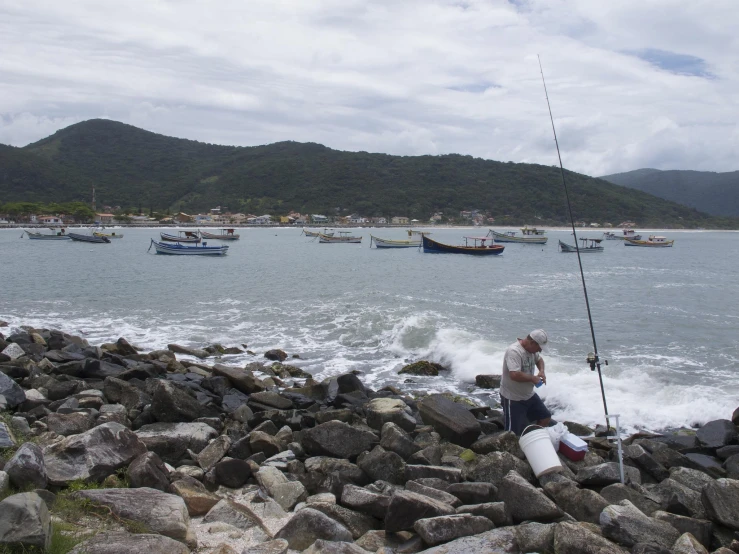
131, 167
713, 193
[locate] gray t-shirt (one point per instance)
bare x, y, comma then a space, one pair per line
518, 359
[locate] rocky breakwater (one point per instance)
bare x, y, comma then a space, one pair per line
161, 455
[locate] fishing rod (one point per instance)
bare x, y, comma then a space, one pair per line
592, 359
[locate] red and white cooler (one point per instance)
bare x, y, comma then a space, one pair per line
573, 447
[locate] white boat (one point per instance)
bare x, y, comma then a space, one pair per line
343, 238
653, 241
510, 236
388, 243
526, 230
588, 245
55, 235
412, 232
610, 235
223, 234
326, 232
188, 249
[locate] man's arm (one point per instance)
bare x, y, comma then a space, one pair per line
541, 375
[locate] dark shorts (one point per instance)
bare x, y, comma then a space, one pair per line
518, 414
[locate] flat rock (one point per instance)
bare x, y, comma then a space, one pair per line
699, 528
232, 513
277, 546
357, 523
449, 474
627, 525
452, 421
380, 411
273, 400
337, 439
165, 514
606, 474
365, 501
407, 507
127, 543
494, 511
495, 541
440, 529
617, 492
70, 424
197, 498
172, 440
525, 502
582, 504
309, 525
242, 380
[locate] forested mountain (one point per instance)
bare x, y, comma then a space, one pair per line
713, 193
134, 168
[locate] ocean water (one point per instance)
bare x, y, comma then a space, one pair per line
667, 320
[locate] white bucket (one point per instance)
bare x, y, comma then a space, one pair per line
539, 451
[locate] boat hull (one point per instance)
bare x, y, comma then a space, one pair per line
502, 237
648, 244
432, 247
219, 236
172, 238
325, 239
564, 247
187, 250
88, 238
386, 243
41, 236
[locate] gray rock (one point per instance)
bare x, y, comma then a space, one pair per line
383, 464
337, 439
232, 513
165, 514
25, 521
441, 529
496, 541
209, 456
645, 461
473, 493
493, 467
26, 468
525, 502
535, 537
309, 525
273, 400
148, 470
488, 381
277, 546
70, 424
127, 543
691, 478
330, 547
582, 504
687, 544
732, 467
92, 455
505, 441
617, 492
357, 523
196, 497
699, 528
406, 508
172, 440
365, 501
494, 511
395, 439
197, 352
727, 451
344, 468
709, 464
263, 442
171, 404
232, 473
606, 474
431, 492
12, 392
627, 525
678, 499
6, 438
452, 421
4, 483
241, 379
721, 500
380, 411
716, 434
574, 538
286, 493
448, 474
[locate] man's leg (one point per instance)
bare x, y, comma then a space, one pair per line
537, 411
514, 416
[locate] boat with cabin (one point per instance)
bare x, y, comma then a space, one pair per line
182, 236
510, 236
88, 238
526, 230
54, 235
414, 232
472, 245
188, 249
343, 238
388, 243
655, 241
588, 245
610, 235
223, 234
631, 235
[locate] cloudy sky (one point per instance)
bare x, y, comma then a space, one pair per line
632, 83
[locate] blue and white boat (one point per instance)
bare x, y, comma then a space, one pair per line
188, 250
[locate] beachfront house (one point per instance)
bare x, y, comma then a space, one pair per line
398, 220
50, 220
260, 220
319, 219
105, 219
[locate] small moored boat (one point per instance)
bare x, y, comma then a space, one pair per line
188, 249
655, 241
510, 236
55, 235
88, 238
343, 238
224, 234
182, 236
327, 232
388, 243
478, 247
412, 232
526, 230
610, 235
588, 245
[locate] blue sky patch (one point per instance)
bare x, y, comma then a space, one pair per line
474, 88
681, 64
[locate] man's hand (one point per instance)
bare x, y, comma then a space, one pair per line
541, 376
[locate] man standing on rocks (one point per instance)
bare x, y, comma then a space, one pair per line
521, 405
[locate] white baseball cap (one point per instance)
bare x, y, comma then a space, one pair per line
539, 336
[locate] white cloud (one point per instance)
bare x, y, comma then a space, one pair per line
403, 77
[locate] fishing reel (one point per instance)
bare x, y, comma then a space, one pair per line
594, 361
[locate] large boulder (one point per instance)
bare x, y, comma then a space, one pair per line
231, 513
422, 368
617, 492
582, 504
525, 502
382, 464
26, 467
337, 439
171, 404
25, 521
92, 455
493, 467
12, 392
165, 514
148, 470
365, 501
495, 541
119, 542
573, 538
716, 434
440, 529
677, 498
688, 544
197, 498
171, 441
380, 411
607, 474
357, 523
242, 379
627, 525
309, 525
700, 528
394, 438
406, 508
721, 499
70, 424
452, 421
